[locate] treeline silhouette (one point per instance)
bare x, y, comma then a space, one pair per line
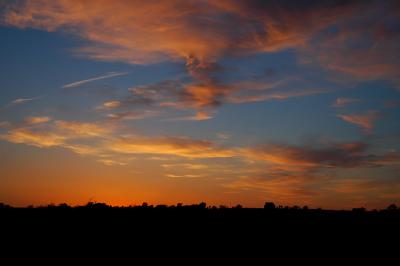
223, 225
268, 206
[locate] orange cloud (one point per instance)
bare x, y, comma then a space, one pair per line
199, 116
281, 187
176, 29
271, 95
183, 147
365, 121
37, 119
102, 141
34, 138
66, 134
200, 33
195, 31
132, 115
80, 129
183, 176
189, 166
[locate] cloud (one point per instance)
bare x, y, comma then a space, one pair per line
22, 101
246, 98
199, 116
361, 48
105, 76
223, 136
5, 124
183, 176
300, 158
37, 119
159, 30
110, 105
281, 186
310, 174
133, 115
196, 33
189, 166
341, 102
36, 138
103, 141
42, 132
178, 146
365, 120
110, 162
81, 129
204, 97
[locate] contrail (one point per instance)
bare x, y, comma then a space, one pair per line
107, 75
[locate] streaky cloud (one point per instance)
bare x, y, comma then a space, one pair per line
364, 120
20, 101
105, 76
342, 101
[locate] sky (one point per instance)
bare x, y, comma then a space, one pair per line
227, 102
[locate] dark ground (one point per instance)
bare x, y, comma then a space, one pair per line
199, 228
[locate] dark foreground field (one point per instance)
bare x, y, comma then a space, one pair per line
199, 219
172, 233
201, 230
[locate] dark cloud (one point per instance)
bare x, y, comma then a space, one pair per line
342, 155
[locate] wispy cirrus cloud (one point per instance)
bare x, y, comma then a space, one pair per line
83, 129
342, 101
364, 120
20, 101
133, 115
274, 95
177, 146
184, 175
189, 166
105, 76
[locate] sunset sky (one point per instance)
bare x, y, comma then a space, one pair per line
227, 102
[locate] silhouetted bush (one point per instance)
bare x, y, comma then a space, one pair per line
4, 206
358, 210
96, 205
64, 206
269, 206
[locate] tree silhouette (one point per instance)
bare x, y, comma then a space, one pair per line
269, 206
